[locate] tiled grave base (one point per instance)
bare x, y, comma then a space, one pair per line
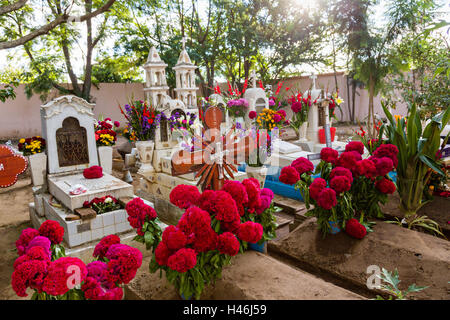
80, 232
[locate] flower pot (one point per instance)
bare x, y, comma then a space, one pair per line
145, 153
322, 137
258, 247
38, 166
259, 173
335, 227
105, 155
184, 298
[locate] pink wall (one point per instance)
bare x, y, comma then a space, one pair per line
21, 117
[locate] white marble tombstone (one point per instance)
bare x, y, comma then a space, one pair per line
68, 128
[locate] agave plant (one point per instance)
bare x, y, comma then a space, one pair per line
417, 152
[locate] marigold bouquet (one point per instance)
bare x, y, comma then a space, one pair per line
30, 146
103, 204
269, 119
43, 267
141, 119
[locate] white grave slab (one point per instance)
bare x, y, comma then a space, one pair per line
59, 187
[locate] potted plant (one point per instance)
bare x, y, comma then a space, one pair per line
106, 137
34, 149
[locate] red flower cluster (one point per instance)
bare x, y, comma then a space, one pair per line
102, 247
123, 263
329, 155
26, 236
238, 192
303, 165
228, 244
340, 184
250, 232
385, 186
316, 188
289, 175
366, 168
327, 199
88, 204
138, 213
62, 273
254, 192
348, 159
184, 196
52, 230
341, 171
94, 172
355, 146
355, 229
387, 150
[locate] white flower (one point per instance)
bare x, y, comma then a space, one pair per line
108, 200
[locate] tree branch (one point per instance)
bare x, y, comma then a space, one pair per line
50, 26
13, 7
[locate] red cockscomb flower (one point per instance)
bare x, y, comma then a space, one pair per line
329, 155
205, 241
228, 244
387, 150
385, 186
327, 199
238, 192
348, 160
25, 237
162, 254
355, 229
253, 192
194, 221
174, 238
29, 274
250, 232
184, 196
102, 247
289, 175
316, 188
341, 171
340, 184
52, 230
357, 146
252, 115
302, 165
384, 165
57, 281
124, 261
366, 168
182, 260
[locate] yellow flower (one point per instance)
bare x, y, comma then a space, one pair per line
22, 141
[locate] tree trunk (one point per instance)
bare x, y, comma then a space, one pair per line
90, 48
370, 116
354, 88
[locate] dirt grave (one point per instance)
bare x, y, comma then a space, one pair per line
420, 258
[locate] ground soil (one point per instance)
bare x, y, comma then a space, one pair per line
438, 210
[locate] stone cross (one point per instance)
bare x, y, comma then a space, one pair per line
183, 41
313, 77
253, 75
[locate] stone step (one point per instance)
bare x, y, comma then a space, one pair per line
420, 258
251, 276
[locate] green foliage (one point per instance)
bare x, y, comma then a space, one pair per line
390, 285
152, 234
417, 152
421, 223
8, 92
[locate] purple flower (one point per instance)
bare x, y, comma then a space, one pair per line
238, 125
42, 242
271, 102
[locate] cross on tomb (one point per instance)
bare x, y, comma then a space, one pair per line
253, 75
313, 77
183, 41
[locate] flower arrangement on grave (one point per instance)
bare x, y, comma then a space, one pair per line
30, 146
141, 120
237, 107
103, 205
277, 100
215, 226
300, 107
105, 132
269, 119
43, 266
346, 184
335, 102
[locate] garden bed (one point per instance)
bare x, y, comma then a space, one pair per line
242, 280
420, 258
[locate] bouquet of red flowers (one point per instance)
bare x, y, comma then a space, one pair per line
347, 183
215, 226
103, 204
43, 267
144, 219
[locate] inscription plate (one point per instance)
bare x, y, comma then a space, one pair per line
71, 143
